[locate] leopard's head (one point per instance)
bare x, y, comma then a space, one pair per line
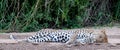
100, 36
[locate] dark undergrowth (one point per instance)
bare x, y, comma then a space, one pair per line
33, 15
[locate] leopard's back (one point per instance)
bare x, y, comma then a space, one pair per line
63, 36
51, 36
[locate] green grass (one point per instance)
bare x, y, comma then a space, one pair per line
33, 15
117, 11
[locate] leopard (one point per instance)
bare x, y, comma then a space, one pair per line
69, 36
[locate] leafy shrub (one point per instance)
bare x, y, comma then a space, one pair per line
32, 15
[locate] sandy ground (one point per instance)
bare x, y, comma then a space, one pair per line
113, 34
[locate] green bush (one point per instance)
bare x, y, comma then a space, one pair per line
116, 10
33, 15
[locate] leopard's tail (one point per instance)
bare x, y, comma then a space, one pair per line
14, 38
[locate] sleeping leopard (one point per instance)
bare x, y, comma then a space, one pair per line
70, 36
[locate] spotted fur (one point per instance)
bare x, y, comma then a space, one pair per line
65, 36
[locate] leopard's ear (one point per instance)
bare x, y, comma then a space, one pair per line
105, 40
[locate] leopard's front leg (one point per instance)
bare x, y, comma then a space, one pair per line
72, 41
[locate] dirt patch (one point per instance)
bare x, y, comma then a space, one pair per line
113, 34
55, 46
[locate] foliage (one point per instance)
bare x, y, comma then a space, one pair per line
117, 11
32, 15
